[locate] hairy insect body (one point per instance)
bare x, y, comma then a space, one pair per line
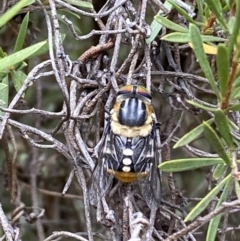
131, 127
129, 151
132, 113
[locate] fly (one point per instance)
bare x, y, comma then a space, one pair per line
129, 151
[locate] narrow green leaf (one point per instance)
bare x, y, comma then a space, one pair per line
202, 106
19, 56
222, 123
179, 165
155, 26
215, 8
219, 171
214, 223
200, 5
14, 11
206, 200
231, 24
191, 135
202, 58
4, 92
235, 31
223, 68
18, 77
21, 34
237, 188
2, 53
3, 73
233, 125
216, 143
235, 95
234, 107
170, 25
20, 65
79, 3
236, 82
178, 37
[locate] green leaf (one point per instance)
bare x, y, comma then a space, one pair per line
191, 102
234, 107
235, 95
19, 56
219, 171
191, 135
79, 3
170, 25
202, 58
233, 125
217, 10
3, 73
2, 53
207, 12
21, 34
20, 65
18, 77
223, 67
200, 5
236, 82
231, 24
214, 223
4, 94
222, 123
11, 12
237, 188
178, 37
155, 26
179, 165
206, 200
235, 31
216, 143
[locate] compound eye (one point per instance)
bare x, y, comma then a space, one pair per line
134, 90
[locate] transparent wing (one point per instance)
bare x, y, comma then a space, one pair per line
150, 185
101, 181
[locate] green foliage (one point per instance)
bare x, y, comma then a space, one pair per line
183, 37
189, 164
223, 67
214, 223
155, 26
12, 65
216, 143
14, 11
215, 27
9, 61
22, 34
219, 171
222, 123
191, 135
207, 199
202, 57
218, 131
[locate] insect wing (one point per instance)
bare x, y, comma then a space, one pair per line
101, 181
150, 185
